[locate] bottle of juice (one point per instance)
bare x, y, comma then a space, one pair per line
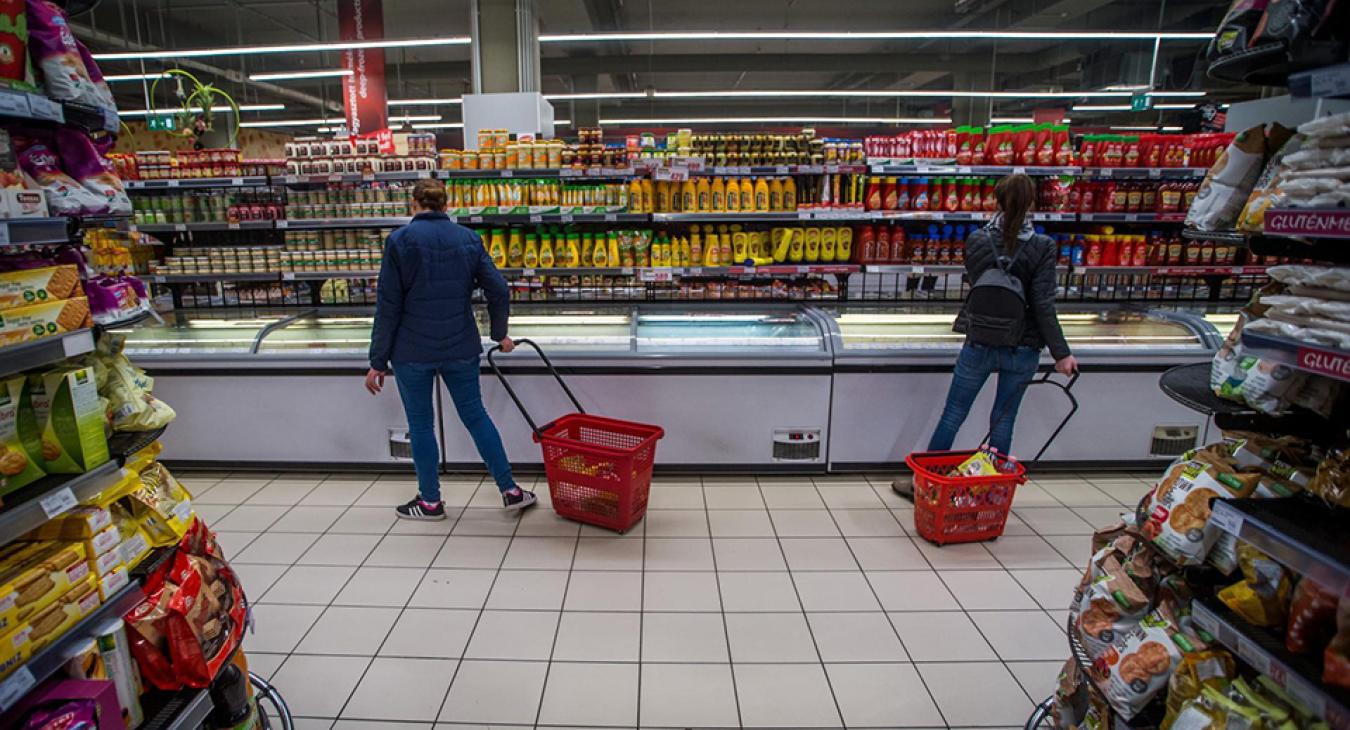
635, 196
647, 195
497, 248
776, 194
843, 244
789, 194
695, 247
724, 245
719, 195
515, 250
531, 257
812, 248
688, 196
761, 195
797, 245
663, 196
703, 190
747, 190
827, 244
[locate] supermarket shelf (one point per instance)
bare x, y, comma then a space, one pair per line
1308, 223
551, 217
1328, 250
779, 217
205, 278
1150, 173
741, 170
1132, 217
353, 177
29, 107
122, 445
1326, 82
33, 505
1189, 386
52, 658
315, 224
913, 269
25, 231
203, 226
247, 181
93, 118
326, 275
1234, 237
1264, 651
942, 168
134, 319
538, 173
1306, 535
183, 710
45, 351
1308, 357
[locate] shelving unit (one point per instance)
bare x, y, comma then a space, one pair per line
34, 231
184, 710
1306, 356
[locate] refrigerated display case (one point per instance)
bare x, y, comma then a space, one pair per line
893, 366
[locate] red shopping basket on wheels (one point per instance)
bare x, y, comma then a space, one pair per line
950, 507
599, 469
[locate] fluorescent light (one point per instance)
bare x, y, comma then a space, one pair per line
291, 48
1101, 107
288, 123
423, 102
417, 118
1011, 120
599, 95
1126, 87
280, 75
886, 94
1146, 128
115, 78
1174, 106
868, 35
1175, 93
777, 120
460, 125
242, 108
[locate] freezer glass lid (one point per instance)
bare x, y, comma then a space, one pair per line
320, 335
574, 329
727, 332
203, 335
863, 329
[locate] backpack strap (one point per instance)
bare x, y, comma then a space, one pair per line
1001, 257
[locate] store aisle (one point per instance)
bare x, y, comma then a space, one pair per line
740, 602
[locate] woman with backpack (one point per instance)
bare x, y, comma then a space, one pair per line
1008, 318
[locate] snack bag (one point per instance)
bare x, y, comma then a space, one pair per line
1261, 597
83, 163
1208, 668
1111, 603
1332, 480
1229, 182
56, 53
1312, 618
65, 196
105, 95
162, 505
128, 390
1336, 658
20, 443
1178, 508
979, 464
1139, 662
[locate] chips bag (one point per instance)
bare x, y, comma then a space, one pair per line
1336, 658
1261, 597
1178, 508
1139, 662
1197, 670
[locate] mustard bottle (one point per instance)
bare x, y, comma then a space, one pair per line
599, 251
724, 246
797, 246
812, 248
695, 247
612, 241
531, 251
635, 196
647, 201
688, 196
663, 196
759, 244
740, 245
780, 237
789, 194
827, 239
711, 249
515, 250
545, 252
686, 252
497, 247
719, 195
843, 244
703, 190
776, 194
733, 197
747, 195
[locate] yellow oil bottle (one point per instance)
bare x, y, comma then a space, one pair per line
635, 196
531, 259
776, 194
719, 195
497, 247
703, 193
733, 196
789, 194
663, 196
747, 189
515, 250
545, 252
688, 196
761, 195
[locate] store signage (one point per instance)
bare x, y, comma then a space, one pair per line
1141, 102
364, 91
1325, 362
1328, 223
163, 123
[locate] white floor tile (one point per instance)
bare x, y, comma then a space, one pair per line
591, 694
495, 692
1076, 493
211, 512
770, 637
318, 686
835, 591
1038, 679
405, 551
443, 588
785, 695
818, 553
529, 589
851, 497
365, 520
887, 553
604, 591
251, 518
540, 553
941, 636
256, 579
462, 551
720, 499
230, 491
430, 633
683, 497
1027, 552
882, 695
602, 553
380, 587
683, 637
1100, 517
1077, 549
335, 494
1000, 700
1021, 635
688, 695
958, 556
677, 522
803, 523
401, 689
1053, 520
740, 523
1052, 589
283, 491
513, 635
234, 543
544, 522
986, 590
486, 522
308, 519
680, 592
762, 592
911, 590
589, 636
792, 497
867, 523
748, 553
340, 549
276, 548
279, 627
311, 584
856, 637
349, 630
678, 554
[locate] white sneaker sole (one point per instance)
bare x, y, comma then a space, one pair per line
529, 501
419, 518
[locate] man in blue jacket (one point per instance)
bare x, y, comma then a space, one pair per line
424, 327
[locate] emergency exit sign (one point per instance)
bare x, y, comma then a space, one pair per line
162, 123
1140, 102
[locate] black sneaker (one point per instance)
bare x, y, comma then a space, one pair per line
519, 499
419, 510
904, 486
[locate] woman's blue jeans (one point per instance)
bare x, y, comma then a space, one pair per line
1015, 366
416, 386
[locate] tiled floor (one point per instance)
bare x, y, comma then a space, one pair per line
740, 602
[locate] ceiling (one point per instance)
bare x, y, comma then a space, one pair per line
590, 67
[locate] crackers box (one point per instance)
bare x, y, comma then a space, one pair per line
16, 203
24, 324
37, 579
80, 523
71, 420
113, 582
76, 603
107, 562
107, 540
20, 443
34, 286
15, 649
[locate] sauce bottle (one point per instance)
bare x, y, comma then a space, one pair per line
796, 245
1093, 257
890, 194
843, 244
776, 194
867, 244
919, 194
723, 245
873, 199
828, 241
952, 201
740, 248
703, 191
695, 246
573, 252
719, 195
789, 194
531, 257
599, 251
647, 201
688, 196
812, 248
761, 195
747, 191
902, 199
883, 244
545, 251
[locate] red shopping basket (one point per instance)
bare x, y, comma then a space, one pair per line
599, 469
949, 507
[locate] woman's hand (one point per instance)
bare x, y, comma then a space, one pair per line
507, 344
1066, 366
375, 381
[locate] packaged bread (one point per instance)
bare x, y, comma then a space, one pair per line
24, 324
1178, 508
15, 649
20, 438
109, 561
76, 603
32, 286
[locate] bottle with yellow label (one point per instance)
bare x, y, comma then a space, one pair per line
740, 246
827, 241
663, 197
719, 195
747, 189
711, 249
573, 254
635, 196
776, 194
560, 254
797, 245
811, 251
789, 194
647, 195
843, 244
761, 195
695, 247
531, 259
515, 250
688, 196
724, 246
703, 191
612, 243
599, 251
545, 252
779, 239
497, 247
733, 196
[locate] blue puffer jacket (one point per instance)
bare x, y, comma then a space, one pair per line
424, 310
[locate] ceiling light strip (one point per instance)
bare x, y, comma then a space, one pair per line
826, 93
179, 110
869, 35
283, 75
117, 78
291, 48
779, 120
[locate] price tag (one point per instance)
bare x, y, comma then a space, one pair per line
171, 183
804, 215
13, 689
110, 120
566, 218
180, 227
963, 169
336, 177
1019, 170
508, 173
569, 172
803, 269
1105, 172
695, 271
878, 169
657, 274
811, 169
1226, 519
283, 223
44, 108
475, 219
232, 226
1154, 173
916, 269
1131, 217
183, 511
527, 272
611, 217
536, 218
1253, 655
4, 234
58, 503
292, 178
781, 170
288, 276
831, 169
236, 181
158, 279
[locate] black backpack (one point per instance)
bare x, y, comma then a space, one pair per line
996, 310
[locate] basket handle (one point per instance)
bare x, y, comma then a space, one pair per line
512, 392
1067, 387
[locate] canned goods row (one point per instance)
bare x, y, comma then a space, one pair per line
335, 239
358, 165
352, 194
347, 210
362, 259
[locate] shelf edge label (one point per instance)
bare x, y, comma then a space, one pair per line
1324, 362
16, 686
58, 503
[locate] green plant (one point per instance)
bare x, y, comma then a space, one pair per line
194, 116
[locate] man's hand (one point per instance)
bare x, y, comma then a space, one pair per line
1067, 366
375, 381
507, 344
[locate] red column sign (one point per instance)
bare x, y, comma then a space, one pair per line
364, 92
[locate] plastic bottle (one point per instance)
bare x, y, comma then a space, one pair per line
761, 195
874, 198
719, 195
867, 244
811, 250
789, 194
919, 194
573, 257
703, 193
883, 245
747, 192
902, 197
545, 252
828, 238
843, 244
780, 238
635, 196
648, 201
599, 251
612, 243
776, 194
663, 196
497, 247
890, 194
531, 257
952, 196
688, 197
515, 250
723, 245
797, 245
740, 249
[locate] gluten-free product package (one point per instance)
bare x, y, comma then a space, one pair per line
65, 195
83, 162
1140, 663
1111, 600
71, 419
35, 321
1178, 508
20, 443
56, 54
131, 405
32, 286
1229, 182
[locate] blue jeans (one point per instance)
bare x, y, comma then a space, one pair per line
416, 386
1015, 366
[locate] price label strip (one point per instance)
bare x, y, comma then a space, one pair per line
58, 503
